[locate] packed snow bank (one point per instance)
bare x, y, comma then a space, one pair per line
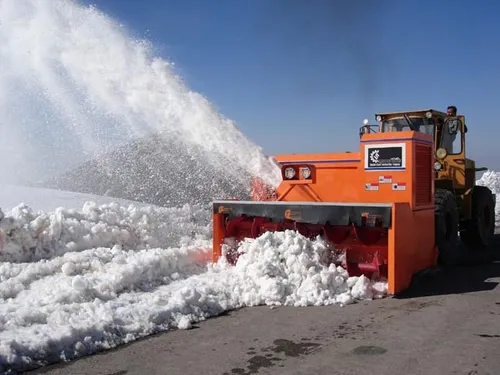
107, 278
48, 200
491, 179
26, 236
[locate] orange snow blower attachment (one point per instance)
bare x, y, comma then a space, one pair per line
375, 205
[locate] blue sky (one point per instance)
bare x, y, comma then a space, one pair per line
301, 78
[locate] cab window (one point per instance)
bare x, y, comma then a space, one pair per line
400, 124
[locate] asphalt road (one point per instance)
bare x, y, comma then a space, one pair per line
447, 323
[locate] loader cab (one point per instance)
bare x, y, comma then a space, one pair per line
423, 121
452, 169
419, 121
407, 123
447, 132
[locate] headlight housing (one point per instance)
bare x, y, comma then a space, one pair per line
289, 173
441, 153
437, 166
306, 172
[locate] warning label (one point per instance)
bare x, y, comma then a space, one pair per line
372, 186
385, 179
399, 186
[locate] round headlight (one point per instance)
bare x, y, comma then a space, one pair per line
306, 172
379, 118
441, 153
289, 173
437, 166
365, 121
428, 114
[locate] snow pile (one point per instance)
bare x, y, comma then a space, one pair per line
29, 236
285, 268
107, 277
491, 179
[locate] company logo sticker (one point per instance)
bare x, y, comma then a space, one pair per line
387, 156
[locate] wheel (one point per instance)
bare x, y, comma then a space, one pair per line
446, 227
478, 232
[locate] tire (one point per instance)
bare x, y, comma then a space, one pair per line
446, 227
478, 232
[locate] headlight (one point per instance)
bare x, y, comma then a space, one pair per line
306, 172
428, 114
379, 118
441, 153
437, 166
289, 173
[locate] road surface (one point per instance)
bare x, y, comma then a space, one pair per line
448, 323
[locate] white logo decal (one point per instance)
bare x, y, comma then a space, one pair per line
374, 155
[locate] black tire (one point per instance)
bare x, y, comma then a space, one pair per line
478, 232
446, 227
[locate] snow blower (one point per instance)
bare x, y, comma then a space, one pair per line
394, 208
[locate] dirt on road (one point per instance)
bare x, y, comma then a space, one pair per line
447, 323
